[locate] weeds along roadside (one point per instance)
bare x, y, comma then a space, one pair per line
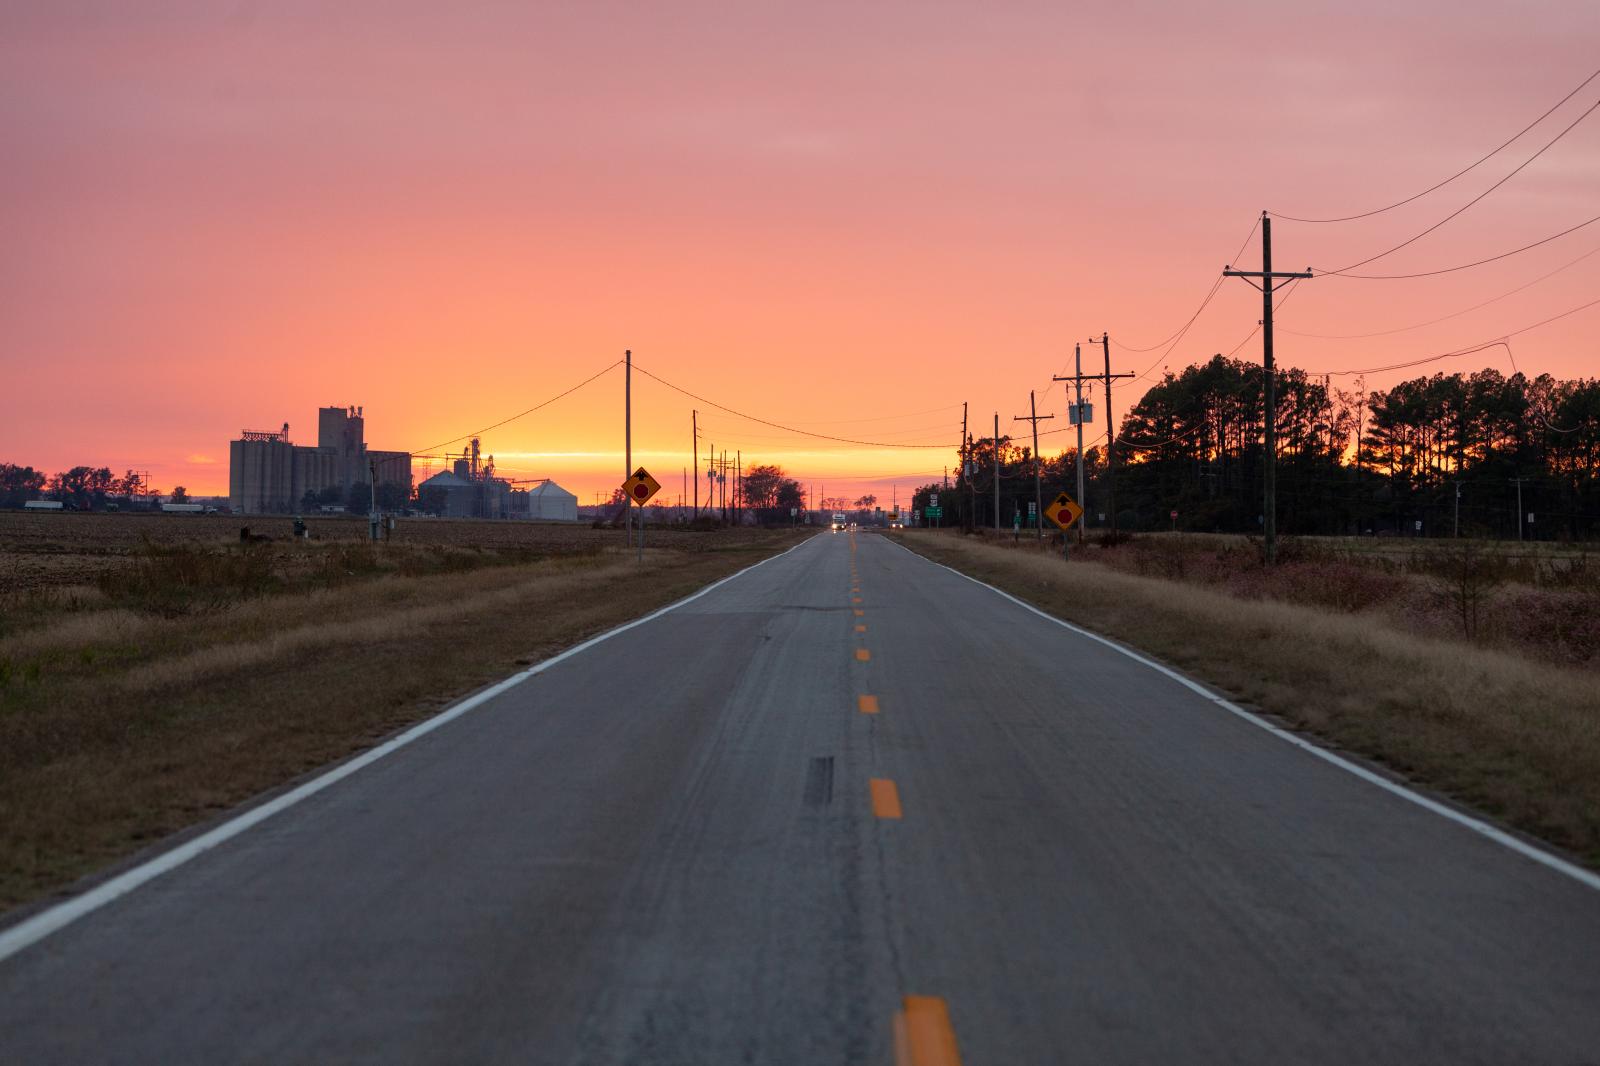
1543, 605
1513, 736
136, 712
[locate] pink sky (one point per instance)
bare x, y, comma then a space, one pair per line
846, 217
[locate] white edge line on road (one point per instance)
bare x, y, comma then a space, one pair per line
34, 929
1499, 836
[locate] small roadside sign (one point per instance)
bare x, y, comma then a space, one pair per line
640, 487
1063, 511
933, 499
933, 512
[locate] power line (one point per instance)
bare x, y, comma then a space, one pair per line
881, 418
524, 414
1453, 314
1463, 266
1173, 340
779, 425
1503, 339
1474, 200
755, 438
1457, 174
1289, 291
1172, 440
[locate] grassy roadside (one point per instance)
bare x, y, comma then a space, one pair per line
129, 721
1516, 739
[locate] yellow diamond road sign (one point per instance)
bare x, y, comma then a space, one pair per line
641, 486
1063, 511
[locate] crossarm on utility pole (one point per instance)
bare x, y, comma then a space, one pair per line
1268, 285
1035, 417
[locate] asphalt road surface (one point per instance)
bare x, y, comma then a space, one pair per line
748, 830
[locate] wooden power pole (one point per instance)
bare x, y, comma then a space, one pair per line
1035, 417
1268, 285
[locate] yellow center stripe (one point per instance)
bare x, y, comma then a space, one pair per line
867, 704
862, 655
861, 629
885, 798
922, 1034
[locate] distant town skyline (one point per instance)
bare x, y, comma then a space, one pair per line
842, 219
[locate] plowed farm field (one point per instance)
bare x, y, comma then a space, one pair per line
41, 551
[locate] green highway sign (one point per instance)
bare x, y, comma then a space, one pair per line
933, 512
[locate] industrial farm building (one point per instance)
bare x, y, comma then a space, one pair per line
267, 474
546, 501
471, 489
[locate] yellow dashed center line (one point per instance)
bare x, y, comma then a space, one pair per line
867, 704
862, 655
885, 798
922, 1034
860, 613
855, 599
861, 629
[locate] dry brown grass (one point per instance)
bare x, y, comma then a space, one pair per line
1515, 738
43, 551
120, 724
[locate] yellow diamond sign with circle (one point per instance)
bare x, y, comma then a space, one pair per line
1063, 511
640, 487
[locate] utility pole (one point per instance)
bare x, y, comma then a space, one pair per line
997, 472
972, 489
1078, 377
1035, 417
1268, 286
694, 423
738, 484
627, 436
373, 520
711, 479
1111, 434
1521, 514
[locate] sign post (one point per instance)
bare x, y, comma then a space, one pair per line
1063, 511
639, 489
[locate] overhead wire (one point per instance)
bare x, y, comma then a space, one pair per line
1390, 251
1460, 173
778, 425
1502, 339
1463, 266
1172, 341
1444, 318
523, 414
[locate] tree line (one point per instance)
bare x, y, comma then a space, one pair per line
1426, 457
83, 488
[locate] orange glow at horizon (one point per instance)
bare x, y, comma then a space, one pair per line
844, 219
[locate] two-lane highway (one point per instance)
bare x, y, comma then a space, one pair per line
845, 800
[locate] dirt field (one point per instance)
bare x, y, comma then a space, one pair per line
44, 550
